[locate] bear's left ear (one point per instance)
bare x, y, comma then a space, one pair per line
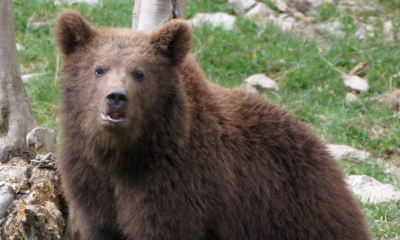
173, 39
72, 31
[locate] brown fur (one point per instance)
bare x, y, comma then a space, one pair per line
192, 160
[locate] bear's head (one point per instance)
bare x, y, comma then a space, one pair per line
119, 82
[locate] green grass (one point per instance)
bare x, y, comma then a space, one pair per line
311, 89
384, 219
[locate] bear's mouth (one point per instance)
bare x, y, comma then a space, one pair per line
113, 117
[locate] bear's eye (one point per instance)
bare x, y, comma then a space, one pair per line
139, 75
100, 71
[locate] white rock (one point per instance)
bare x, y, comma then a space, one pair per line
242, 6
215, 19
334, 28
369, 9
286, 22
351, 97
260, 13
343, 152
388, 35
19, 47
280, 5
262, 81
370, 30
42, 139
6, 198
91, 2
355, 83
27, 77
395, 171
371, 190
316, 3
364, 31
387, 27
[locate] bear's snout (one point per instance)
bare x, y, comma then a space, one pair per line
117, 98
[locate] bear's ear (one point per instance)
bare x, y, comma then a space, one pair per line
72, 31
173, 39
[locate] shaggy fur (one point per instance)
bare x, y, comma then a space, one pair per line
190, 160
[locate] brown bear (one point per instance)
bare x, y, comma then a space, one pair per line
153, 150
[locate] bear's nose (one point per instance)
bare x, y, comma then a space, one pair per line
117, 97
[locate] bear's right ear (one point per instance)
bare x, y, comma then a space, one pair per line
72, 31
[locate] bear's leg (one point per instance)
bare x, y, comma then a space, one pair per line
161, 215
96, 233
91, 230
91, 195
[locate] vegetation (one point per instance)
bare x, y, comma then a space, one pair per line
311, 89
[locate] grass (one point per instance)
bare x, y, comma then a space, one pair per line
311, 89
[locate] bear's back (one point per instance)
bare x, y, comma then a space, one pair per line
280, 178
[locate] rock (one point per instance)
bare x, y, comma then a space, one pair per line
388, 35
294, 8
333, 28
261, 13
369, 9
253, 10
364, 31
19, 47
390, 99
215, 19
302, 6
356, 83
351, 97
262, 81
242, 6
280, 5
43, 140
286, 22
343, 152
371, 190
6, 198
27, 77
90, 2
394, 171
316, 3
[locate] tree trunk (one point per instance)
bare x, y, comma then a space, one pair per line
16, 116
149, 15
